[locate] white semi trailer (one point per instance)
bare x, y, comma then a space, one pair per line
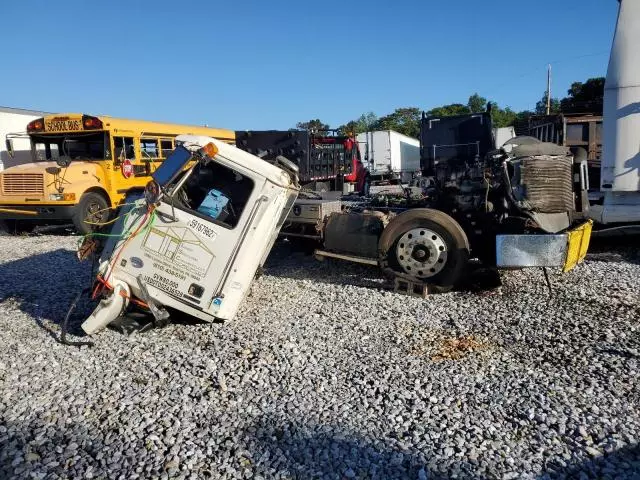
15, 148
502, 135
389, 155
620, 170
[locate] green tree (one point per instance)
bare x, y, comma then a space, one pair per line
502, 117
541, 105
403, 120
364, 123
312, 125
476, 103
584, 97
448, 110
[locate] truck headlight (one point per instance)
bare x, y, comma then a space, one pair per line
58, 197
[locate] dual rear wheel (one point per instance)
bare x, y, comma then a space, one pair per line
426, 246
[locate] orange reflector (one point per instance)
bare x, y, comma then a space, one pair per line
210, 150
69, 196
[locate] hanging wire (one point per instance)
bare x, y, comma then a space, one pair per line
107, 209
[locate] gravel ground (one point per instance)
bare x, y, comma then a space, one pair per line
326, 374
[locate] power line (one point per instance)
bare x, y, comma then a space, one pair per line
540, 67
578, 57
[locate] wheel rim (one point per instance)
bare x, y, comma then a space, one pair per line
421, 252
93, 213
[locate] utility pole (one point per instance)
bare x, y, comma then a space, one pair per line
549, 89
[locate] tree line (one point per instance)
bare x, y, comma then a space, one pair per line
582, 97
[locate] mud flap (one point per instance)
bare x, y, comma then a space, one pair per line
578, 244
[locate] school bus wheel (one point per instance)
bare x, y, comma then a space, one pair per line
92, 209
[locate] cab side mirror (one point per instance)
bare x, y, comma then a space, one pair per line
9, 144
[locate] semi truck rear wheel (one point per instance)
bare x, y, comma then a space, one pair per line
92, 208
427, 245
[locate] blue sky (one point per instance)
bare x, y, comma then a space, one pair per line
268, 64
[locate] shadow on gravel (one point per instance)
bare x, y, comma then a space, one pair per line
285, 261
29, 450
622, 463
294, 451
615, 249
44, 285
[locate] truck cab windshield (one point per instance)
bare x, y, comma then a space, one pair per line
78, 146
215, 192
172, 166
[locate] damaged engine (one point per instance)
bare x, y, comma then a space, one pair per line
525, 186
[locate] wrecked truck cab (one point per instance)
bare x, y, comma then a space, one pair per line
195, 238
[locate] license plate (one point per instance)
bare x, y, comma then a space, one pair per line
578, 245
63, 125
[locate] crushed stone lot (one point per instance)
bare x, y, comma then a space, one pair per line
325, 374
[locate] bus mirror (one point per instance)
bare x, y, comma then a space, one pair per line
63, 162
9, 143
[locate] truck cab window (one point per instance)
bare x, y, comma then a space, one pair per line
123, 147
215, 192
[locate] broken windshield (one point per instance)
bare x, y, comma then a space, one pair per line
84, 146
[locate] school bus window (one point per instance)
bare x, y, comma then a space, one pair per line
148, 148
86, 146
42, 154
123, 147
166, 147
80, 146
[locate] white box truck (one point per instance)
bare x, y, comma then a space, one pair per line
502, 134
389, 155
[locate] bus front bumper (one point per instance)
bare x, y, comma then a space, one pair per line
37, 212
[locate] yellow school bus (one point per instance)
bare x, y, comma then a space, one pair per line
84, 164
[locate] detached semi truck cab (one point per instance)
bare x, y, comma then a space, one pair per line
197, 235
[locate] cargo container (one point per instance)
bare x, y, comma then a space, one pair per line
390, 155
502, 135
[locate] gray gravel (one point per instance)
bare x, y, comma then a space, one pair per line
326, 374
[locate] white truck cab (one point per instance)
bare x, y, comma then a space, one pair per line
196, 237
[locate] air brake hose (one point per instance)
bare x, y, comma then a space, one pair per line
65, 323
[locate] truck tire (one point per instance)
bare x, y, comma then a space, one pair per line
426, 245
92, 207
